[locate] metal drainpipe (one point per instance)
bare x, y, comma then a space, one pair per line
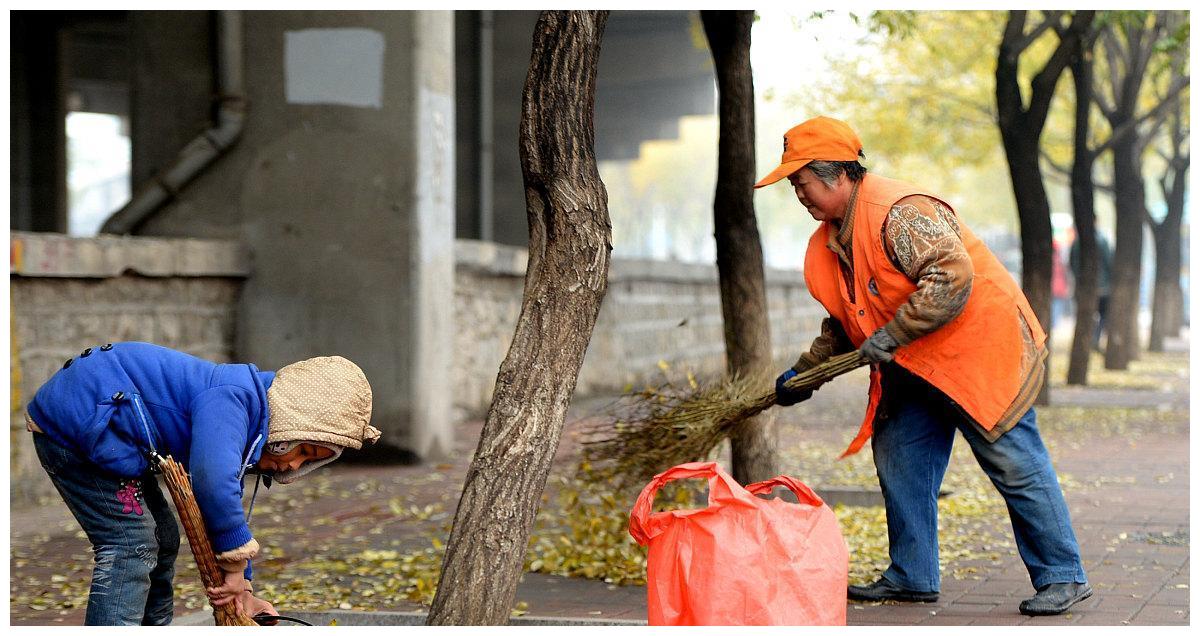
204, 149
486, 137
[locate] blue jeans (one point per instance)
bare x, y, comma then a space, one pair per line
912, 443
133, 534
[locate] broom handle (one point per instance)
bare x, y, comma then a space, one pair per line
211, 574
826, 371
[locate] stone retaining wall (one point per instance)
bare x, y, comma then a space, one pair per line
654, 311
67, 294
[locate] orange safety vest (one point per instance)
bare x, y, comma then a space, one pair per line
975, 359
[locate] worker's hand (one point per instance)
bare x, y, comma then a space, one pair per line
785, 396
234, 585
254, 606
879, 347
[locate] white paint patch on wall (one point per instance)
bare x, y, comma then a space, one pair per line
334, 66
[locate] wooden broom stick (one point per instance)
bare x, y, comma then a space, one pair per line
211, 574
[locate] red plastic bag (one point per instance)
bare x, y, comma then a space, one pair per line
742, 560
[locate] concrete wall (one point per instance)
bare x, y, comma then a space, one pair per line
171, 85
69, 294
653, 311
342, 187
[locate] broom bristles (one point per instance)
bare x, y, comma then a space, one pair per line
180, 487
660, 428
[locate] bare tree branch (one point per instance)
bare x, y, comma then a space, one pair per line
1144, 139
1052, 19
1144, 49
1013, 28
1130, 126
1046, 80
1111, 46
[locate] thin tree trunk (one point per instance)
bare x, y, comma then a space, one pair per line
1083, 202
567, 277
739, 250
1123, 305
1166, 320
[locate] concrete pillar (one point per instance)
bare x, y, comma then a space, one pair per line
432, 243
342, 187
38, 146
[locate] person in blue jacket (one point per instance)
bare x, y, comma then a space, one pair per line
98, 422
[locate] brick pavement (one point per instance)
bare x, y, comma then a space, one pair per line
1130, 511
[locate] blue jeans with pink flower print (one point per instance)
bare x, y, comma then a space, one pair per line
133, 534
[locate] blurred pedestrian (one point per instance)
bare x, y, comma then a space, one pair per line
1103, 282
1060, 281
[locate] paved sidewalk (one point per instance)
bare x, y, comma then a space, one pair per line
1128, 495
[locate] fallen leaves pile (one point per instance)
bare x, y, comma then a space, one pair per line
583, 530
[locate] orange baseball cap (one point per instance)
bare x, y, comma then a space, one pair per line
820, 138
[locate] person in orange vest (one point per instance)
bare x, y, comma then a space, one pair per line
953, 345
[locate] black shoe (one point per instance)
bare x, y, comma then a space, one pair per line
885, 590
1055, 598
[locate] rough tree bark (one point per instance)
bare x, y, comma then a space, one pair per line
567, 277
1021, 131
739, 250
1083, 191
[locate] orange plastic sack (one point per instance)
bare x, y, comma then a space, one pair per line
742, 560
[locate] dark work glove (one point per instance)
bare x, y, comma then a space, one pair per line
785, 396
879, 347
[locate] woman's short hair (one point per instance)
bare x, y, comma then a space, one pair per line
828, 171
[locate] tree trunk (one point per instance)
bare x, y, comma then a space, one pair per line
1083, 202
1021, 129
1167, 314
569, 245
1130, 202
739, 250
1130, 43
1037, 245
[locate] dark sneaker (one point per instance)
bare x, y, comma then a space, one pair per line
885, 590
1055, 598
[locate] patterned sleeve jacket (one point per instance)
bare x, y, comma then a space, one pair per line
922, 238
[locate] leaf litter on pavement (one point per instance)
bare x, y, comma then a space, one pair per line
346, 557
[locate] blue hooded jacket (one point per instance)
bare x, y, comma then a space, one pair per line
114, 403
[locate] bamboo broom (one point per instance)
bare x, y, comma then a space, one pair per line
211, 574
660, 428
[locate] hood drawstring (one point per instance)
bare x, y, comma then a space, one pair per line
258, 477
246, 459
250, 512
